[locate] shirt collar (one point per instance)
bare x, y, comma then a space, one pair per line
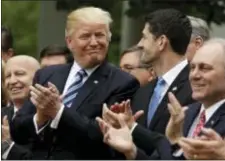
15, 109
212, 109
76, 67
170, 76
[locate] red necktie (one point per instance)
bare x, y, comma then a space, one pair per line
200, 125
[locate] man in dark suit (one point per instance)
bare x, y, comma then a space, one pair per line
208, 85
165, 38
19, 72
207, 82
9, 149
65, 127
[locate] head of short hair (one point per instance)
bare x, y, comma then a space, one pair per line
7, 39
199, 28
174, 25
53, 50
88, 15
139, 52
219, 41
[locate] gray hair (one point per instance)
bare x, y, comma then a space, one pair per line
219, 41
199, 28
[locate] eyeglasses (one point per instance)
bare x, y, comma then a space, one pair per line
129, 68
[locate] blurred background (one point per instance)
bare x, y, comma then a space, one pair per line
36, 24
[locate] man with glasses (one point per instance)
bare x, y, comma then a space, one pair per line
130, 61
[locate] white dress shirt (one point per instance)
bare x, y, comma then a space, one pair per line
70, 79
169, 78
208, 114
171, 75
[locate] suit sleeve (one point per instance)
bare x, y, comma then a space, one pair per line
77, 122
19, 153
22, 127
150, 142
141, 155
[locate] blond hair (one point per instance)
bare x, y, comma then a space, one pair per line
89, 15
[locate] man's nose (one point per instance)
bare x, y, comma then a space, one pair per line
93, 41
13, 79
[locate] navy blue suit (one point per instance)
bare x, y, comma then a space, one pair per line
150, 141
78, 135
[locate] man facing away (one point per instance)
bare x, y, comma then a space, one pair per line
165, 39
187, 125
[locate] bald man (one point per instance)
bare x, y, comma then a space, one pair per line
19, 73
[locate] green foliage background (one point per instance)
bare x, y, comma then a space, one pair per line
22, 18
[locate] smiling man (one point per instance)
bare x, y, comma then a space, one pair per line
19, 73
69, 127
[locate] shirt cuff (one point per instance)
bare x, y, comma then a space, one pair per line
55, 121
178, 153
36, 126
6, 153
133, 127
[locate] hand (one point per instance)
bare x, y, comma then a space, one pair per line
124, 112
119, 139
174, 129
210, 146
5, 129
46, 99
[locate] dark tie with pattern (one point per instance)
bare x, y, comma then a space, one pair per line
74, 87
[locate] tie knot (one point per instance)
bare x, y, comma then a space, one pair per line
161, 81
202, 116
82, 73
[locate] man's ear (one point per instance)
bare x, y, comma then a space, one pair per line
198, 42
69, 42
162, 42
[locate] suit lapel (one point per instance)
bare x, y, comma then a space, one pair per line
177, 84
93, 82
59, 78
216, 117
190, 116
10, 113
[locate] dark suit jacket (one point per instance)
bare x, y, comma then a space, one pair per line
150, 140
18, 152
216, 122
181, 89
78, 135
7, 111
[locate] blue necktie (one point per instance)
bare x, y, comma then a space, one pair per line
156, 98
73, 88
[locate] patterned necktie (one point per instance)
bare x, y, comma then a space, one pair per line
73, 88
155, 99
200, 125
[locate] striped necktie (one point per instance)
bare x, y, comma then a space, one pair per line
73, 88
